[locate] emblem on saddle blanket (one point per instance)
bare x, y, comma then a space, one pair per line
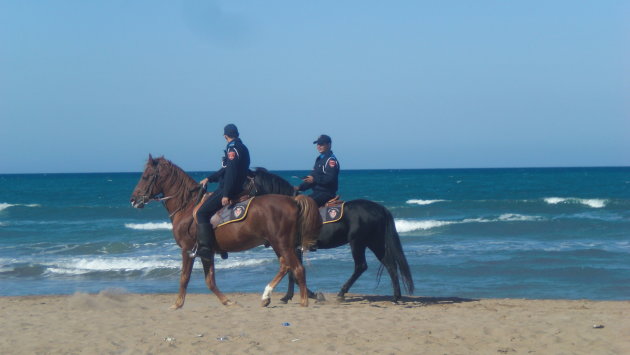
231, 213
331, 214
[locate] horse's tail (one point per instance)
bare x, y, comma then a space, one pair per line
394, 254
309, 221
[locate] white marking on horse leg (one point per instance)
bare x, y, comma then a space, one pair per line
267, 294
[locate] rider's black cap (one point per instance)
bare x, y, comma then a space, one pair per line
323, 139
231, 130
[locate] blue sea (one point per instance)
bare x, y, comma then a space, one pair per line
561, 233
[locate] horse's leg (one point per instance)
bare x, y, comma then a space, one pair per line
360, 265
208, 269
266, 297
184, 278
311, 294
289, 295
290, 261
291, 285
300, 278
392, 270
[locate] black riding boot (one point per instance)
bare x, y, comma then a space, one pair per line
205, 238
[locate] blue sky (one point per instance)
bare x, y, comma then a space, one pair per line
95, 86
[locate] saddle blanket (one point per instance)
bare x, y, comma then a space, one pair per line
331, 214
231, 213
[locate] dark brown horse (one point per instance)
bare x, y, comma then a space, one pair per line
365, 225
282, 222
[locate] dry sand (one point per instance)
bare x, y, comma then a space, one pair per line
119, 323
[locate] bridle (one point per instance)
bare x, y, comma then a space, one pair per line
146, 196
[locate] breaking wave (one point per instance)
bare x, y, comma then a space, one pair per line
423, 202
593, 203
405, 225
112, 266
4, 206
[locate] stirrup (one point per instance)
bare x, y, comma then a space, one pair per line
193, 253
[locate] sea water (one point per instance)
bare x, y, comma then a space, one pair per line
475, 233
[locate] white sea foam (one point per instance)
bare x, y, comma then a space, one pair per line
405, 225
423, 202
554, 200
4, 206
143, 264
84, 266
149, 226
593, 202
239, 263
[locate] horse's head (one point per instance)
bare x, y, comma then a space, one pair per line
149, 186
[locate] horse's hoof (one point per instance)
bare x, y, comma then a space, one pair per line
284, 300
266, 302
175, 307
341, 298
320, 297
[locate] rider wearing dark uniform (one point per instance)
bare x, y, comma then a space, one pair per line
324, 179
231, 178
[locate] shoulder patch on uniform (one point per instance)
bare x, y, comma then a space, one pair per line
231, 155
332, 163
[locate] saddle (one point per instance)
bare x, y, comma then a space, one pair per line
332, 211
234, 212
335, 201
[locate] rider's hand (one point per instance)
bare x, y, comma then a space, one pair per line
225, 201
204, 182
309, 179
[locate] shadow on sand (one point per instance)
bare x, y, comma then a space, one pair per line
409, 301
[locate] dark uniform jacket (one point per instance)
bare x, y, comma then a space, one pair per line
325, 175
232, 176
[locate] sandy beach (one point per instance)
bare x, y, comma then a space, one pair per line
113, 322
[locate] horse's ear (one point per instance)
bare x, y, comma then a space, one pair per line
151, 160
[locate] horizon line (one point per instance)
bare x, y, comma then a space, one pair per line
359, 169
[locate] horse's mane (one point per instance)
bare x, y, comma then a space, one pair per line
185, 186
269, 183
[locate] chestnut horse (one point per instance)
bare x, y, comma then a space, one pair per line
283, 222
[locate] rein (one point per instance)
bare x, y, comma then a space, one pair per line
185, 203
252, 188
